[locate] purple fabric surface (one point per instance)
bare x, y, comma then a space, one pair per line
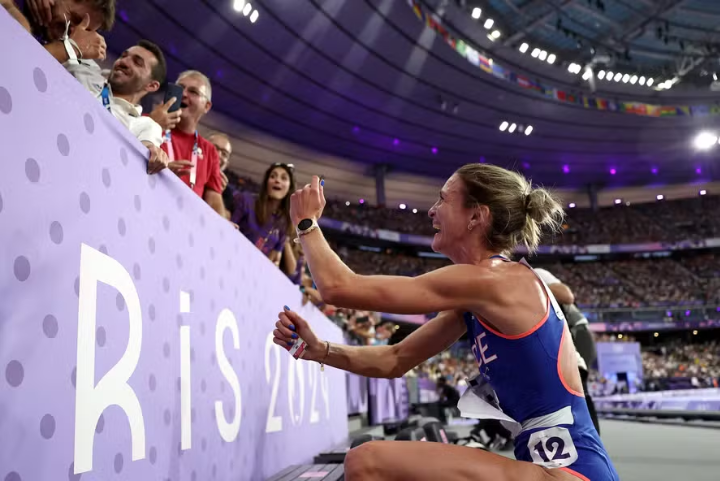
78, 213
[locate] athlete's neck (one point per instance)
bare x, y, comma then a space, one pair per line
472, 254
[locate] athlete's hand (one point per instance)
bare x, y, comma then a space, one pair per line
289, 327
308, 202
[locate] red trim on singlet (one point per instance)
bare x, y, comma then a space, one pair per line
559, 368
575, 473
524, 334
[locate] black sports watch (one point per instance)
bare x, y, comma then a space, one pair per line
304, 225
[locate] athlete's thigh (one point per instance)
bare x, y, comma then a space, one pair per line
421, 461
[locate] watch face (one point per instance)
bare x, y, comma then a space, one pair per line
305, 224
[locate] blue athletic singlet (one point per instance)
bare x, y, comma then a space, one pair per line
524, 371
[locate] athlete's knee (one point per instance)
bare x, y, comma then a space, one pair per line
364, 462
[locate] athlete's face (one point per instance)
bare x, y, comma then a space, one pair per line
450, 216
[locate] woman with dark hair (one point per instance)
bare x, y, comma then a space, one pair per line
265, 219
521, 341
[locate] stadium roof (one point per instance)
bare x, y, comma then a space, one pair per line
382, 83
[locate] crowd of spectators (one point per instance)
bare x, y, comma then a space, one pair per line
665, 222
671, 365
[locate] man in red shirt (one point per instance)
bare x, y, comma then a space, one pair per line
192, 157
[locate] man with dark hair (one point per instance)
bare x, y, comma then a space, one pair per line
140, 70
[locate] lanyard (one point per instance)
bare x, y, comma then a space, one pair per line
194, 156
105, 94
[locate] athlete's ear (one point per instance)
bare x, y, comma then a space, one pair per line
480, 215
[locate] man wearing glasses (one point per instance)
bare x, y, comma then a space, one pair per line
193, 158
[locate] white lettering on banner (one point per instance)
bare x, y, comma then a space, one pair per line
113, 388
483, 348
296, 369
228, 430
274, 423
185, 390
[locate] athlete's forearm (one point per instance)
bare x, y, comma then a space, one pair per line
368, 361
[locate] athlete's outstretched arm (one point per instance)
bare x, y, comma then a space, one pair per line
374, 361
454, 287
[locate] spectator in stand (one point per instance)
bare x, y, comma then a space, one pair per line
265, 219
55, 23
192, 157
140, 70
224, 149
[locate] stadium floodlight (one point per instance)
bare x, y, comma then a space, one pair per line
705, 140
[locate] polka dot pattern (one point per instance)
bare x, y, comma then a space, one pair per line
166, 240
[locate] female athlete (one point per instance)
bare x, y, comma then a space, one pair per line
521, 342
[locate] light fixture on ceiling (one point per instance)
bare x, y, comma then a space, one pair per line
524, 47
414, 211
512, 128
347, 203
650, 82
609, 76
489, 23
601, 74
618, 201
238, 5
551, 58
477, 11
247, 9
254, 16
634, 79
705, 140
403, 206
617, 77
543, 55
571, 205
626, 78
528, 130
587, 74
535, 53
703, 192
659, 197
503, 126
496, 34
642, 80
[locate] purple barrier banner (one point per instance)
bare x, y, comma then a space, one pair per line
389, 400
357, 394
135, 323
